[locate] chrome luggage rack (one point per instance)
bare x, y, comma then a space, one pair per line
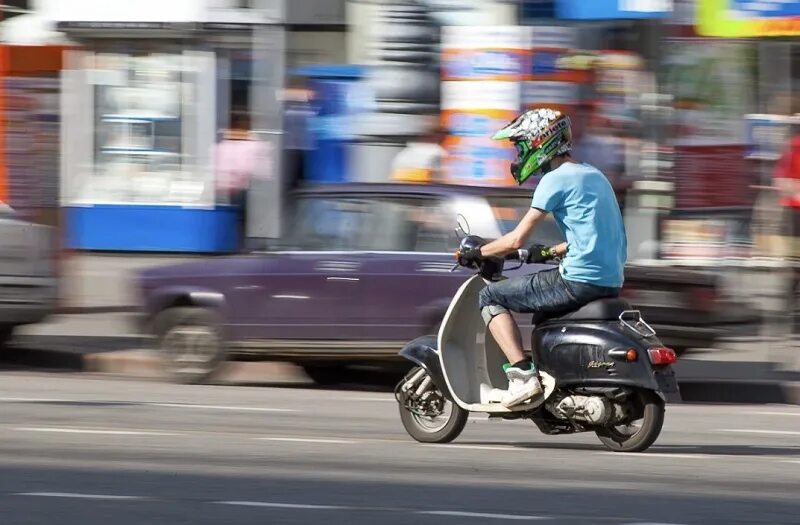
633, 319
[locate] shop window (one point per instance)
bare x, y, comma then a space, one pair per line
139, 119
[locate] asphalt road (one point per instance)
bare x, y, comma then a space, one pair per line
81, 449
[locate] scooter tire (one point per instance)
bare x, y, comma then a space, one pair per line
448, 432
652, 421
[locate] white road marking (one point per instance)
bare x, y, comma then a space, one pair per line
776, 414
371, 399
281, 505
663, 455
652, 523
480, 515
144, 403
78, 495
756, 431
61, 430
476, 447
309, 440
220, 407
32, 400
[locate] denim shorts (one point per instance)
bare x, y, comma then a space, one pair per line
544, 292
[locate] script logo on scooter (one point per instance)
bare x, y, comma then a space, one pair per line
600, 364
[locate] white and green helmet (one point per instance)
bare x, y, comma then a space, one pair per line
539, 135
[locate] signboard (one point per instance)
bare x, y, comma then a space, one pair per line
711, 84
481, 72
743, 18
613, 9
31, 139
767, 135
552, 76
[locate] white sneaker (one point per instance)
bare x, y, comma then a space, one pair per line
522, 386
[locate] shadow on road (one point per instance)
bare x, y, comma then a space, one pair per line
682, 452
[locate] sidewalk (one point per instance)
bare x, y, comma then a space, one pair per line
104, 281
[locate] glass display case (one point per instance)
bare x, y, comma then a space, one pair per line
140, 153
137, 143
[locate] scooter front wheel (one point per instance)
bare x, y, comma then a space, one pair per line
643, 429
429, 416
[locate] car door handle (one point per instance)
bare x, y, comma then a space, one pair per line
345, 279
435, 266
337, 266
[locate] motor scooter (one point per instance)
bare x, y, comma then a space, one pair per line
602, 368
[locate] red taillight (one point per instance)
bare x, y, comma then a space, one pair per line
661, 355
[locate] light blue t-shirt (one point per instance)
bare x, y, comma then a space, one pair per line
584, 206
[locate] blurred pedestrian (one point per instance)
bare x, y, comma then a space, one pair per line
421, 159
239, 157
599, 144
298, 110
787, 181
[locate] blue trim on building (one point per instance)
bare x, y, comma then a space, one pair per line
152, 228
611, 9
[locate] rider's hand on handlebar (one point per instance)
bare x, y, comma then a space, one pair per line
539, 253
470, 257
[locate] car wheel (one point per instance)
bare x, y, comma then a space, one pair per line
326, 375
6, 332
190, 343
680, 350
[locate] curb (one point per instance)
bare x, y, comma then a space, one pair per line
740, 391
78, 310
146, 364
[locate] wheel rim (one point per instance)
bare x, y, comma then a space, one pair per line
437, 422
191, 349
625, 431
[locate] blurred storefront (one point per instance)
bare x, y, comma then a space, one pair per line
732, 70
147, 98
29, 130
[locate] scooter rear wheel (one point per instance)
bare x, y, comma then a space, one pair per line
632, 438
442, 427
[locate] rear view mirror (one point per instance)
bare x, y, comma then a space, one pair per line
462, 228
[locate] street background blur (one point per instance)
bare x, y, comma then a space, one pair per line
151, 132
260, 195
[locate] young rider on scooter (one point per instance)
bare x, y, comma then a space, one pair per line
585, 208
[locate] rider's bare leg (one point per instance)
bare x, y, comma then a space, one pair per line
522, 381
508, 337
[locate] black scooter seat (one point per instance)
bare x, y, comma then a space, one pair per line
600, 310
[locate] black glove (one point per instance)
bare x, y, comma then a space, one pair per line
470, 257
539, 253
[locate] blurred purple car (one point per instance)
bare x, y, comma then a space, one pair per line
363, 269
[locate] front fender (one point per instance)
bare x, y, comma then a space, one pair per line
423, 351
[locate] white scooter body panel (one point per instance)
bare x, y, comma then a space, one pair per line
472, 361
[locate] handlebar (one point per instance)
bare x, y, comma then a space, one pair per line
519, 255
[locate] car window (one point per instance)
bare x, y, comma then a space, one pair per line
509, 211
323, 223
413, 225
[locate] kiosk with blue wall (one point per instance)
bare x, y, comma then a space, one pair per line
337, 97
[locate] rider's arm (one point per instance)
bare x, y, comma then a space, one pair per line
515, 239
